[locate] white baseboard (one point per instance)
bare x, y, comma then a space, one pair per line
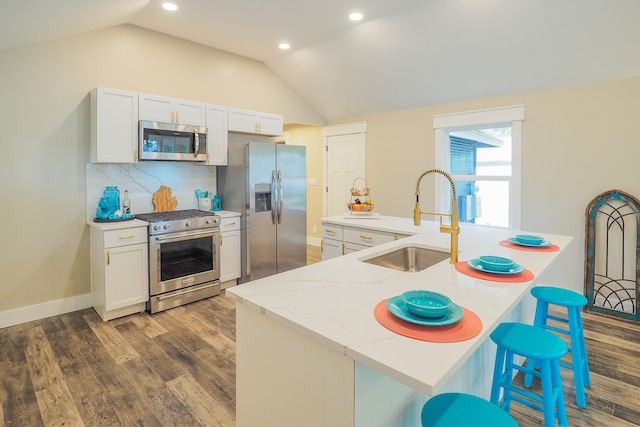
46, 309
314, 241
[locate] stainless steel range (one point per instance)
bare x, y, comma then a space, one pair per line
184, 257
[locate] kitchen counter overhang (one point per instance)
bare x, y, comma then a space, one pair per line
332, 301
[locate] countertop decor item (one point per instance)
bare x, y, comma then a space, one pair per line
360, 198
466, 269
512, 244
495, 263
427, 303
477, 265
163, 200
529, 239
466, 328
398, 308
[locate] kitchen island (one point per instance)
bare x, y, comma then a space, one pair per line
310, 351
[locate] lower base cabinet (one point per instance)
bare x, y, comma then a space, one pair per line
119, 271
341, 240
230, 266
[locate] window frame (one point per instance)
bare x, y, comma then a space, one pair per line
495, 117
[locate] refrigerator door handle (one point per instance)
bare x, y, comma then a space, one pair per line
280, 196
273, 196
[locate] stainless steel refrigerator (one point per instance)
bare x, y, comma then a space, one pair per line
266, 182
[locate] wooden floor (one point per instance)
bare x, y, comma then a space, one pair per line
177, 368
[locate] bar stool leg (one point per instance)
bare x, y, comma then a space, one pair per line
542, 308
560, 404
497, 376
580, 363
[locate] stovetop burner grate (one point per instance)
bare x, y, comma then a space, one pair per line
174, 215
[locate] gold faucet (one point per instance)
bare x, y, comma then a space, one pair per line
452, 229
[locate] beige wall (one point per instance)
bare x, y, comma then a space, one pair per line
44, 123
311, 137
577, 143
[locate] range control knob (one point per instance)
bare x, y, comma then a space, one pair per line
209, 221
156, 227
188, 224
167, 226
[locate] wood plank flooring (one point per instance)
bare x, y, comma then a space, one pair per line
177, 368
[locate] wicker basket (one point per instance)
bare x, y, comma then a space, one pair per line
360, 207
359, 191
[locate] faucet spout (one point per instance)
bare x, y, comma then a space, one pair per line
453, 229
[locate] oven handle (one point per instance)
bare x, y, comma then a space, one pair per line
187, 234
186, 291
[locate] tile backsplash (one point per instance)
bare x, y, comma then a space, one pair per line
144, 178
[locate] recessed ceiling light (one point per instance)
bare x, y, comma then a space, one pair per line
170, 6
284, 46
355, 16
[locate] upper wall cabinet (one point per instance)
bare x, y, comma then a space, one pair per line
156, 108
114, 126
254, 122
217, 135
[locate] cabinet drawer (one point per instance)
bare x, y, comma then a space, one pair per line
229, 224
330, 231
362, 236
125, 236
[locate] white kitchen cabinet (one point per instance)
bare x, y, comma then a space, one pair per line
119, 271
341, 240
332, 245
157, 108
114, 126
230, 268
217, 135
255, 122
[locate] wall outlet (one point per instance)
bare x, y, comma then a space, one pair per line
315, 229
312, 181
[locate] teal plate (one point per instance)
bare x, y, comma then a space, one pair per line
518, 242
475, 264
398, 308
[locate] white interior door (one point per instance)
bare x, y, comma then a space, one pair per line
345, 155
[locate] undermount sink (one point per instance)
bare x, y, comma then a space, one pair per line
409, 258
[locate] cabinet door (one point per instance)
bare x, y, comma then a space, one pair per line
156, 108
217, 135
242, 121
331, 248
353, 247
189, 112
126, 276
114, 126
270, 124
230, 255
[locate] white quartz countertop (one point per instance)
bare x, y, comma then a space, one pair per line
332, 301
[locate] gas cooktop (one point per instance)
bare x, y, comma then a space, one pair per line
175, 221
174, 215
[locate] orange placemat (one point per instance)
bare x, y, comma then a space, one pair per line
468, 327
464, 268
550, 248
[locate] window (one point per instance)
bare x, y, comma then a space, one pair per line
481, 151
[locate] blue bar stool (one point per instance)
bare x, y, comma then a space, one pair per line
533, 343
463, 410
573, 302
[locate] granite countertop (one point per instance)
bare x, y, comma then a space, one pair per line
332, 301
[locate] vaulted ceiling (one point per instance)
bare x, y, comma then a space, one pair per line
403, 54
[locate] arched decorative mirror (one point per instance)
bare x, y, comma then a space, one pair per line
612, 255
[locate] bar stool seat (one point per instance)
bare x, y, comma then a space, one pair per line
573, 302
458, 409
536, 343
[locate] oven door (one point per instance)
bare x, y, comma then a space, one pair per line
180, 260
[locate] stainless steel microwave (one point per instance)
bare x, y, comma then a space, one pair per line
170, 141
